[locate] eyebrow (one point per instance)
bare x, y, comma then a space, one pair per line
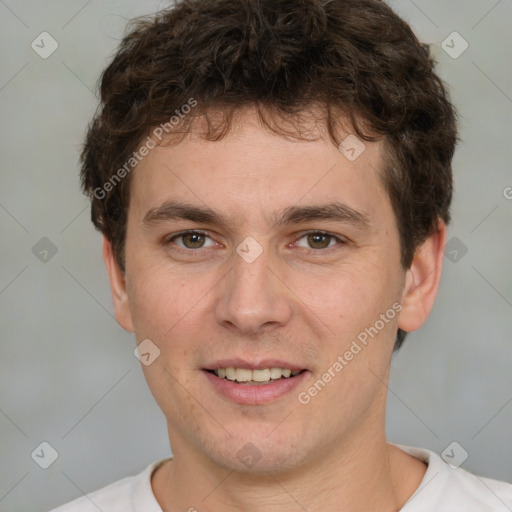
334, 211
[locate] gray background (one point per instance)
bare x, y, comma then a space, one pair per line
67, 371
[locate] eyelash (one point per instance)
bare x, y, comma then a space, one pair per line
170, 240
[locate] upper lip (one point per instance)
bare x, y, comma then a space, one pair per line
259, 364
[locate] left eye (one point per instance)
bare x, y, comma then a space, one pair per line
319, 240
192, 240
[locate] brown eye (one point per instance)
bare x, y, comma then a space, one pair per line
192, 240
317, 240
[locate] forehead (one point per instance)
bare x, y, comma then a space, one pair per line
252, 168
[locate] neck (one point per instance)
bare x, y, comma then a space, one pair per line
359, 474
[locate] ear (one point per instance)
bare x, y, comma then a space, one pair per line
117, 287
422, 280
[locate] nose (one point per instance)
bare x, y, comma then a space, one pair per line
254, 297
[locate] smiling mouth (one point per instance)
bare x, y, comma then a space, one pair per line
255, 377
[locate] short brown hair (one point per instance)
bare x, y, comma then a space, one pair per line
355, 57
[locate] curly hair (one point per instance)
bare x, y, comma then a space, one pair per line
355, 58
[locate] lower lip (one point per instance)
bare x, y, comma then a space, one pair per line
254, 394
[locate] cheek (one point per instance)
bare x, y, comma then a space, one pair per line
349, 297
360, 309
159, 301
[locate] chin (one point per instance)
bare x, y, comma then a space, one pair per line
259, 451
252, 460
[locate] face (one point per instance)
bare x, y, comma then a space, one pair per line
270, 260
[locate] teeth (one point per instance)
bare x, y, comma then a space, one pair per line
275, 373
243, 375
230, 373
262, 376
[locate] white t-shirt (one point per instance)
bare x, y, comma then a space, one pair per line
443, 489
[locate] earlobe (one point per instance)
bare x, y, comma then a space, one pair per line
117, 287
422, 281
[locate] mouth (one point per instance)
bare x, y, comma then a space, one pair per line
254, 384
259, 377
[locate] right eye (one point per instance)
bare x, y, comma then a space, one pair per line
191, 240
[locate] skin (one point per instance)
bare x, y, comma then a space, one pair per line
302, 300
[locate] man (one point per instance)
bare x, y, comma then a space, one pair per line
273, 183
